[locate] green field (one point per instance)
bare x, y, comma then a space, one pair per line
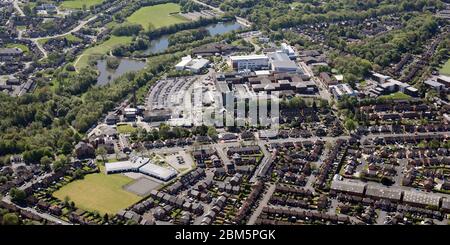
72, 38
445, 70
22, 47
396, 96
153, 17
100, 49
99, 192
78, 4
125, 129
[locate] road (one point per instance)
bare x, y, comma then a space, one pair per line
17, 7
30, 183
209, 6
267, 159
240, 20
262, 204
41, 48
34, 211
75, 29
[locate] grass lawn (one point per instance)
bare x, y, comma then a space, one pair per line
125, 129
100, 49
72, 38
78, 4
153, 17
22, 47
396, 96
99, 192
445, 70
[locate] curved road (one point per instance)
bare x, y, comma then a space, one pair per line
77, 28
16, 6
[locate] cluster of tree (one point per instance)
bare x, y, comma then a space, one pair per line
48, 122
125, 50
190, 6
155, 33
166, 132
77, 84
188, 36
353, 69
442, 52
127, 29
280, 14
35, 124
386, 49
112, 62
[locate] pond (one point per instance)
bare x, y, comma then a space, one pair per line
162, 43
126, 65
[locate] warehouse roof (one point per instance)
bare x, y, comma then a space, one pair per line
383, 192
348, 186
421, 198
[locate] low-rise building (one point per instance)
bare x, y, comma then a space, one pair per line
249, 62
350, 187
190, 64
379, 192
342, 89
421, 199
281, 62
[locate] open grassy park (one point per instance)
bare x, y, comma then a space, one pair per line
396, 96
153, 17
101, 49
22, 47
99, 192
445, 70
126, 129
78, 4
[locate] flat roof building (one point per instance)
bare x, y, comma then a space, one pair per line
342, 89
249, 62
158, 172
286, 48
380, 192
190, 64
280, 62
435, 85
131, 165
350, 187
141, 165
421, 199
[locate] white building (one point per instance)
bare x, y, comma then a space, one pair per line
158, 172
131, 165
142, 165
280, 62
289, 50
392, 85
194, 65
249, 62
342, 89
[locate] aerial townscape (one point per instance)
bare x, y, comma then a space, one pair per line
231, 112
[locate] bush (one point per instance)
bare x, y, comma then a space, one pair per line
112, 62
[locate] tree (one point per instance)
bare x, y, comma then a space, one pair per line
61, 162
106, 218
45, 162
350, 125
10, 219
212, 132
66, 201
101, 151
17, 195
386, 181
